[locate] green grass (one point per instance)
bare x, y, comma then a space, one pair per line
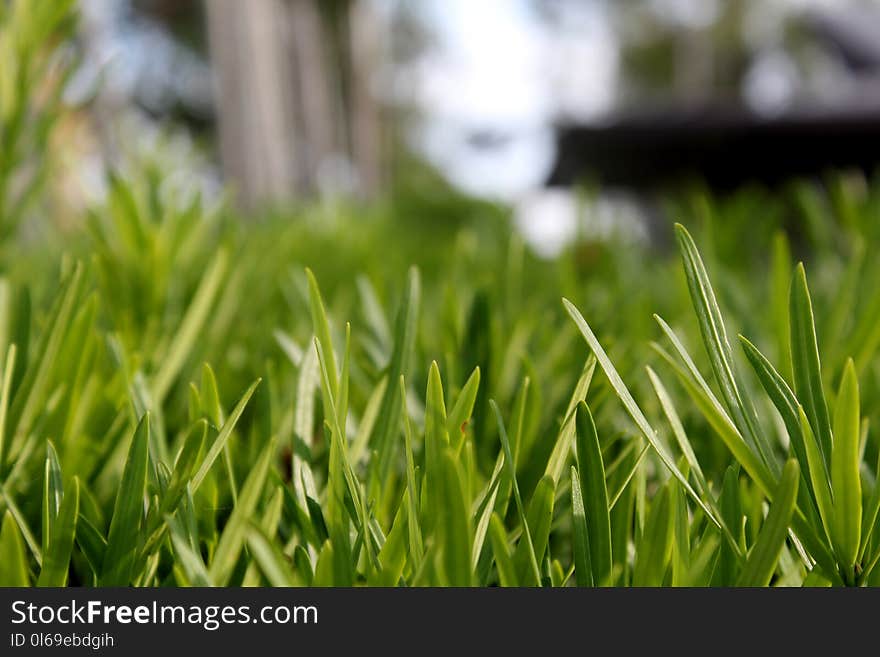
403, 394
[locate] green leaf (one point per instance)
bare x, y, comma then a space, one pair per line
782, 397
304, 422
818, 476
128, 511
805, 362
52, 493
501, 550
321, 326
871, 522
511, 469
718, 348
5, 396
210, 397
711, 409
654, 550
405, 329
180, 478
594, 495
462, 409
483, 517
186, 461
32, 390
630, 404
763, 557
677, 429
188, 558
414, 532
565, 439
271, 561
222, 437
13, 565
190, 327
56, 557
303, 565
583, 569
454, 526
341, 475
324, 574
21, 522
540, 518
436, 439
704, 558
233, 537
392, 556
91, 543
729, 564
373, 312
846, 488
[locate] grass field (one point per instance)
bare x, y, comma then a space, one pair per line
404, 394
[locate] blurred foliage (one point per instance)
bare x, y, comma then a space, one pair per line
395, 394
34, 67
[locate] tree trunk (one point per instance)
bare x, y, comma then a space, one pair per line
297, 112
256, 116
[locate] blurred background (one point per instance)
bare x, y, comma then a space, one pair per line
524, 103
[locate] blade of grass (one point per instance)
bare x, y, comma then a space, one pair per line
595, 495
511, 469
190, 327
871, 522
307, 382
629, 477
13, 565
56, 556
405, 328
222, 437
818, 477
20, 520
805, 362
764, 556
540, 518
461, 411
677, 429
189, 561
128, 511
412, 494
501, 550
583, 568
269, 558
52, 493
392, 556
781, 395
234, 533
303, 565
565, 438
482, 525
455, 526
92, 544
846, 487
654, 550
711, 409
436, 440
32, 389
321, 326
718, 348
630, 404
341, 472
5, 396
